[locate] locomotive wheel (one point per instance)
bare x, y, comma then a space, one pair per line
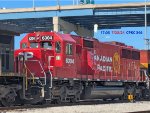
56, 101
33, 95
104, 99
112, 99
6, 102
9, 99
74, 100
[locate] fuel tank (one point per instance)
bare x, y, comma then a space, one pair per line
102, 92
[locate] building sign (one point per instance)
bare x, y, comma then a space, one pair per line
121, 32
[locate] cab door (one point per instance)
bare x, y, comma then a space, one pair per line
69, 60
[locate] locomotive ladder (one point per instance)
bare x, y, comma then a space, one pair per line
49, 66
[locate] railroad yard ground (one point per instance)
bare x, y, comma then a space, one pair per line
88, 108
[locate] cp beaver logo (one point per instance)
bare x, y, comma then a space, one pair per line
116, 63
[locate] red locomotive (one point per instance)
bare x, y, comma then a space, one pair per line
70, 68
74, 57
65, 68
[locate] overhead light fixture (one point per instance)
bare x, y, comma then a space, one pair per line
145, 37
4, 8
78, 23
95, 27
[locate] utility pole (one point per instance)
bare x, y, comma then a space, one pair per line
147, 40
33, 4
77, 2
58, 2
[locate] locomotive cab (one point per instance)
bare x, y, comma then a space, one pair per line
43, 57
55, 52
35, 61
36, 50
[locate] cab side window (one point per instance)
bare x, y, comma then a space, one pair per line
69, 48
24, 45
58, 47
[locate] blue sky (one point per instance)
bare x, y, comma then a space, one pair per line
134, 39
28, 3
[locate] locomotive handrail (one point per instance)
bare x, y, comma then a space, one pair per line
43, 71
51, 85
41, 68
26, 86
147, 79
29, 71
49, 59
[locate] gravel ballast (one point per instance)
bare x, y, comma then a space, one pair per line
97, 108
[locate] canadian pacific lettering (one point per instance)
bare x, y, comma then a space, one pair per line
31, 38
104, 68
100, 59
26, 55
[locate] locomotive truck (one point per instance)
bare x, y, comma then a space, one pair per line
56, 67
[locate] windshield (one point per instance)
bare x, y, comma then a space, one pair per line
46, 45
33, 45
